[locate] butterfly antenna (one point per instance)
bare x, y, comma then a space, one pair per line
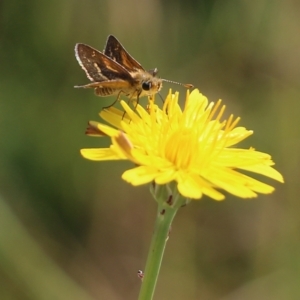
186, 85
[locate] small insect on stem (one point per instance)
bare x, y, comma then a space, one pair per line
114, 72
140, 274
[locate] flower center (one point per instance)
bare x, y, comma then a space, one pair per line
181, 147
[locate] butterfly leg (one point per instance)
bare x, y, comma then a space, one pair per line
136, 101
117, 99
135, 104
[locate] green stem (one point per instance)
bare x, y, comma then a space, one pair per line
165, 215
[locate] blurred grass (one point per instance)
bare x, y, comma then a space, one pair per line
71, 227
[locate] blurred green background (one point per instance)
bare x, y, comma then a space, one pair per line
71, 228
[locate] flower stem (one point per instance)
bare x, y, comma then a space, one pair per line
165, 215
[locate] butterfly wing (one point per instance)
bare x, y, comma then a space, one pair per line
99, 67
117, 52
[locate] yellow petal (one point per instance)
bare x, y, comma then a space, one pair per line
99, 154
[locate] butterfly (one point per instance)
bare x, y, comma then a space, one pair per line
114, 71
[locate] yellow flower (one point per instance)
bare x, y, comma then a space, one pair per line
192, 147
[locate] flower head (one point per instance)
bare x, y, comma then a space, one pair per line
192, 147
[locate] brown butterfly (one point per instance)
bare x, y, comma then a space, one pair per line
114, 71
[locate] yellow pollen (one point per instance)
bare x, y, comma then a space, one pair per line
180, 148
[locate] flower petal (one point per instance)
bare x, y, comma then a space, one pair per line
140, 175
100, 154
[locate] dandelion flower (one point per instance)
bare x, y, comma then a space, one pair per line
192, 147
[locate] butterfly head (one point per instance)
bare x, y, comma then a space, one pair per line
148, 83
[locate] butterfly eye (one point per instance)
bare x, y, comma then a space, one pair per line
146, 86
